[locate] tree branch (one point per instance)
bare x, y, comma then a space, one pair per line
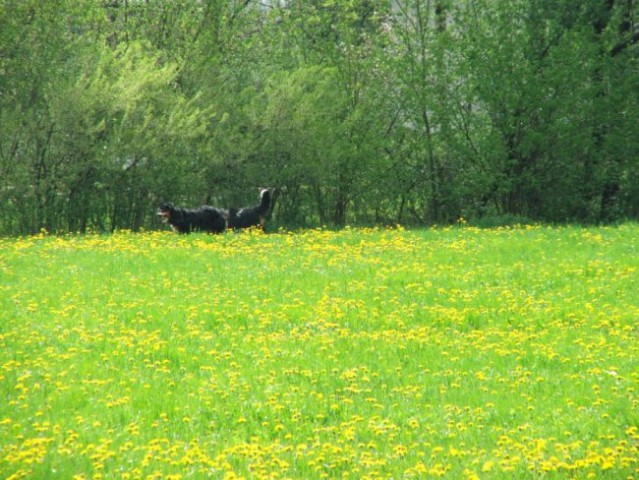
621, 46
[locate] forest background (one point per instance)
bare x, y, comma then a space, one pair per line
356, 112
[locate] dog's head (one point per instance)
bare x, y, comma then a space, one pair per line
165, 212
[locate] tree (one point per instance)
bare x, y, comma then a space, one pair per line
86, 138
321, 117
359, 111
534, 69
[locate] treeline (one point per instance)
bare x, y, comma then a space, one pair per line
357, 111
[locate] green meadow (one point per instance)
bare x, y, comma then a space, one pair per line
363, 353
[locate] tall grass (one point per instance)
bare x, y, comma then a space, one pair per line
456, 353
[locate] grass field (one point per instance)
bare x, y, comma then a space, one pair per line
456, 353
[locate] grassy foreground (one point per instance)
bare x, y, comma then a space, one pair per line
456, 353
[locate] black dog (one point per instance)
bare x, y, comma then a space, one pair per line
203, 219
248, 217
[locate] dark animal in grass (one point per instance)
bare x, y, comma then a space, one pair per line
247, 217
185, 220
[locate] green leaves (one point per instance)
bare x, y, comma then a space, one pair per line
140, 90
363, 110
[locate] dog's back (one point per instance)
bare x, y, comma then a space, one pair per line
206, 219
251, 216
203, 219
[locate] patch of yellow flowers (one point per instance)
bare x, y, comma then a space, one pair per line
363, 353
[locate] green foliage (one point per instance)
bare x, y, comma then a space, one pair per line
364, 111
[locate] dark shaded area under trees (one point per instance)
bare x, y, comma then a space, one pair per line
358, 112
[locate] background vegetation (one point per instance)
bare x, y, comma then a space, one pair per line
359, 111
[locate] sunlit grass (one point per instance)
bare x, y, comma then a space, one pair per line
456, 353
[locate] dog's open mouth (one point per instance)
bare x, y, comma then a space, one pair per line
165, 215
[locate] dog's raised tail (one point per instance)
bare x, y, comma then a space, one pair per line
265, 202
